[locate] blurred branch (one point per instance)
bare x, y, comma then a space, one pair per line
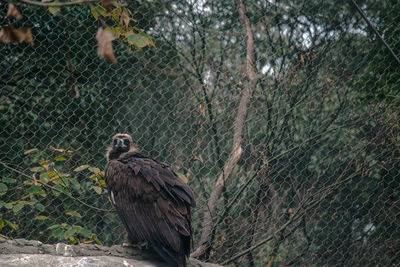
207, 233
53, 188
375, 31
308, 205
57, 4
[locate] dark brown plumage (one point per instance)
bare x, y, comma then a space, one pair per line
151, 200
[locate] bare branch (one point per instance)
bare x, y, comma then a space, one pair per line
57, 4
207, 233
375, 31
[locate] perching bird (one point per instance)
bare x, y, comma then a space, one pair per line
151, 200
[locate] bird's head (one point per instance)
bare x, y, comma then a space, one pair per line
121, 143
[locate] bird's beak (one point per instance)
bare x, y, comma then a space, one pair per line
120, 143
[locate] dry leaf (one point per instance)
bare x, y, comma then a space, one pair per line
105, 49
107, 3
13, 12
9, 34
125, 19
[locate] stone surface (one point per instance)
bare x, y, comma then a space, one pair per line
21, 252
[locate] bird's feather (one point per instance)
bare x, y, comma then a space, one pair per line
153, 203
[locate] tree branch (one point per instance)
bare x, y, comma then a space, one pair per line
375, 31
57, 4
207, 233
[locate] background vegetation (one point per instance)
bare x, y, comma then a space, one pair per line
317, 179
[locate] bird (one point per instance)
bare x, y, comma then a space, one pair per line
153, 203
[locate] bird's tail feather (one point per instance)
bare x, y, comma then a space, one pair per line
172, 258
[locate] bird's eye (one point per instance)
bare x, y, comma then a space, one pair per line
126, 142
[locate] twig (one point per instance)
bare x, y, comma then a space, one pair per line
54, 188
304, 208
57, 4
375, 30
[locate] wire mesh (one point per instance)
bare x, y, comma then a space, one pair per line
316, 182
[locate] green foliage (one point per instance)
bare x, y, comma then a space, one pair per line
53, 182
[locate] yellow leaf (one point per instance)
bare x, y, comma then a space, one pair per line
81, 168
60, 150
94, 170
42, 218
36, 169
140, 40
60, 158
97, 189
54, 9
30, 151
102, 183
94, 12
183, 177
73, 213
97, 241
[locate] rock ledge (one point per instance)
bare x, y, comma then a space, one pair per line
21, 252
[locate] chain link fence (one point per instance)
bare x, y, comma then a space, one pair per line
283, 116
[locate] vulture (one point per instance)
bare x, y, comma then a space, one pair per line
152, 202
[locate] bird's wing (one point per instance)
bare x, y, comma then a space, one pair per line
153, 203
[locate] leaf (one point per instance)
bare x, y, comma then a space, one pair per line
94, 12
18, 207
1, 224
101, 10
183, 177
94, 170
140, 40
60, 158
30, 151
44, 177
37, 169
12, 225
54, 226
116, 31
8, 206
3, 189
73, 213
39, 207
97, 241
107, 3
13, 12
81, 168
57, 232
97, 189
125, 19
70, 232
60, 150
34, 189
59, 188
9, 34
105, 49
102, 183
9, 180
86, 232
43, 218
75, 184
54, 9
